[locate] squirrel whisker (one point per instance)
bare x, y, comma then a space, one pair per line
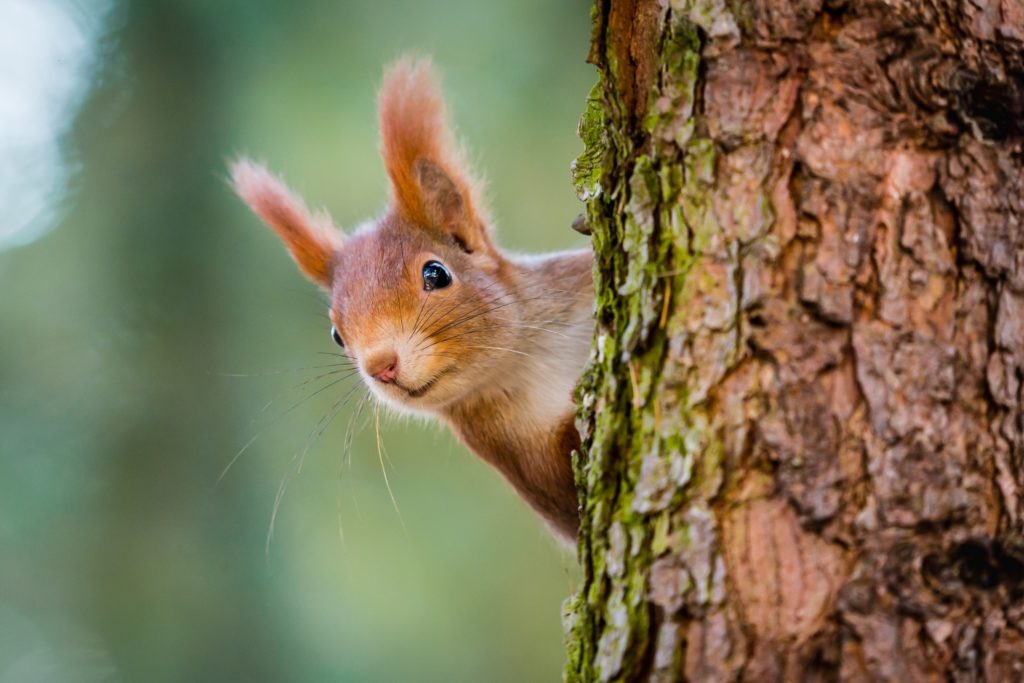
324, 422
283, 371
502, 348
383, 470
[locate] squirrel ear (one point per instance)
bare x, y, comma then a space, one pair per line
430, 184
311, 239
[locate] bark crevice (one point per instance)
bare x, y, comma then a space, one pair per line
802, 428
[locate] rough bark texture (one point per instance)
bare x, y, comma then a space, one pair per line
803, 442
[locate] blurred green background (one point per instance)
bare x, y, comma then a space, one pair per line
121, 556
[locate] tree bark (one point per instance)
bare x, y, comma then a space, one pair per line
802, 425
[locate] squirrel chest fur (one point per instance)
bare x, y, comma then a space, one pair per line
439, 320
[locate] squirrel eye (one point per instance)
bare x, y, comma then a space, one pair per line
336, 336
435, 276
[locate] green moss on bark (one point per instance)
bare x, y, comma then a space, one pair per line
644, 183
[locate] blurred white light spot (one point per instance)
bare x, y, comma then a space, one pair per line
48, 56
54, 649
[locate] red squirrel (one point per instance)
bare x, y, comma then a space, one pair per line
437, 318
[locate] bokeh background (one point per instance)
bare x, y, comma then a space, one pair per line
134, 288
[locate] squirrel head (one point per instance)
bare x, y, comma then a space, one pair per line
421, 299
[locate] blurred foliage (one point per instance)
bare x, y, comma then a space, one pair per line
121, 555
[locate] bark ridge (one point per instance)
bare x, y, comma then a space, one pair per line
802, 423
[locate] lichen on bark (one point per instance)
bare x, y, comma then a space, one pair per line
802, 431
647, 217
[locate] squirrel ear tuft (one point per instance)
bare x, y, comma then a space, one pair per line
311, 238
430, 184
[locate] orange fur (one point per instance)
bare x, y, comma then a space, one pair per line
414, 128
494, 353
311, 239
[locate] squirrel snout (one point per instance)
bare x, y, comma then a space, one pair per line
383, 366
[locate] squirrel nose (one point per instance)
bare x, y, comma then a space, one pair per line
383, 366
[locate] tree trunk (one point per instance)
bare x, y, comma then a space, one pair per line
803, 440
